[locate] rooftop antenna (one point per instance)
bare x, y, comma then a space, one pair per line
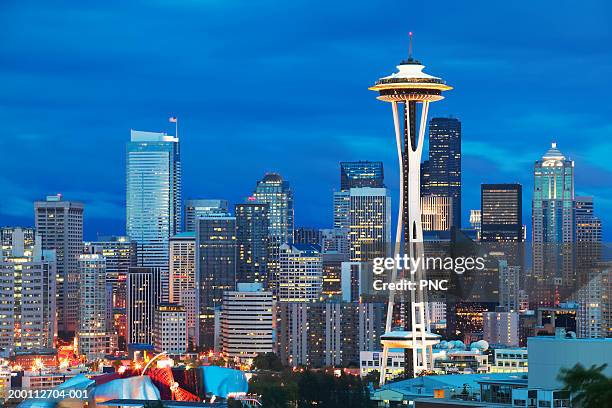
410, 47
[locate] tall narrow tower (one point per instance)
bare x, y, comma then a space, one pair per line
405, 89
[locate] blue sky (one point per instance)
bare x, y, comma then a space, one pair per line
282, 86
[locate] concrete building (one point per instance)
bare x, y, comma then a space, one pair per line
27, 292
335, 240
300, 278
549, 354
120, 254
153, 198
510, 360
501, 328
60, 226
369, 361
93, 337
247, 322
323, 334
182, 265
143, 297
195, 209
369, 223
170, 329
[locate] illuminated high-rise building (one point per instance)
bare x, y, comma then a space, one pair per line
252, 239
436, 213
60, 225
553, 227
361, 174
27, 292
300, 277
170, 329
593, 293
153, 198
501, 213
369, 223
143, 297
195, 209
120, 254
276, 192
94, 339
216, 260
182, 265
442, 170
247, 321
404, 90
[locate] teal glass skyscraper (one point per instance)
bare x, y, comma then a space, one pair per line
553, 226
153, 198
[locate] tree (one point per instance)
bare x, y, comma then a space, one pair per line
373, 377
267, 361
589, 388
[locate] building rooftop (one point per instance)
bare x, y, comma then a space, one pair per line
185, 235
553, 153
142, 136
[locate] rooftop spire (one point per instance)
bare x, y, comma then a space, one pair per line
410, 47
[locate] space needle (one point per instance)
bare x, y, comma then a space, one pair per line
406, 89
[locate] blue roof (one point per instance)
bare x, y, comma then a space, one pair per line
425, 385
186, 234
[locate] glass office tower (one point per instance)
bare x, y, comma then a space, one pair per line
153, 198
441, 173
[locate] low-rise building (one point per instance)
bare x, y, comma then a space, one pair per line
510, 360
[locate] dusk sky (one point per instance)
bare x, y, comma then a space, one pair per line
264, 86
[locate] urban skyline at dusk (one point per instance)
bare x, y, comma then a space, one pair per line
72, 99
269, 205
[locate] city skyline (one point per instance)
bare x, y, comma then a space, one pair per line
269, 131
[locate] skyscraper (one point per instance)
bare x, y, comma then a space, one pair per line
436, 213
342, 207
182, 265
553, 226
27, 292
216, 270
369, 223
361, 174
120, 254
276, 192
301, 273
441, 173
170, 329
203, 208
501, 213
153, 198
247, 321
94, 340
591, 276
305, 235
143, 297
252, 229
60, 226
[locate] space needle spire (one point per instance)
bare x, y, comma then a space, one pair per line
406, 90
